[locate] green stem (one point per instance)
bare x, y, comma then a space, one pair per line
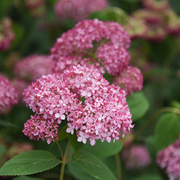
59, 149
153, 117
118, 164
64, 161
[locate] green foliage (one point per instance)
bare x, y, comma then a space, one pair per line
111, 14
78, 172
2, 150
26, 178
138, 105
63, 134
94, 166
149, 177
167, 130
30, 162
74, 143
103, 149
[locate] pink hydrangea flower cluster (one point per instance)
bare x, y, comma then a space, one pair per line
33, 4
136, 157
6, 34
103, 114
104, 42
169, 159
8, 95
130, 79
78, 9
156, 5
32, 67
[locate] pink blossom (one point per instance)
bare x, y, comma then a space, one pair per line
103, 114
169, 158
78, 9
113, 57
8, 95
131, 80
79, 40
136, 157
6, 34
33, 66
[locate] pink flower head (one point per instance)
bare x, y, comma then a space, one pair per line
32, 67
8, 95
78, 10
33, 4
103, 114
113, 57
136, 157
169, 159
93, 42
6, 34
80, 39
156, 5
130, 80
64, 63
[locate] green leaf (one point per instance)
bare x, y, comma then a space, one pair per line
167, 130
138, 105
63, 134
74, 143
7, 124
176, 104
94, 166
111, 14
30, 162
2, 150
78, 172
26, 178
109, 149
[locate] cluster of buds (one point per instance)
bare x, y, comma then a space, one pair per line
93, 108
78, 9
8, 95
103, 44
6, 34
169, 158
136, 157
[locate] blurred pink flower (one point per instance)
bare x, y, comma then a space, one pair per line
169, 160
32, 67
78, 9
8, 95
136, 157
6, 34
